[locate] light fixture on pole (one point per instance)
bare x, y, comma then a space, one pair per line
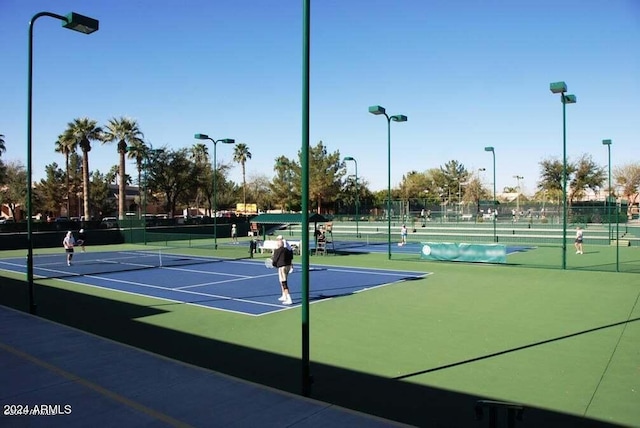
561, 88
379, 110
215, 189
518, 178
72, 21
495, 203
350, 158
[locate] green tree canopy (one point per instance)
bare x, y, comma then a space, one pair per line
14, 192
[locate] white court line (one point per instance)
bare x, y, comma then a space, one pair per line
182, 302
372, 272
206, 272
280, 308
180, 291
223, 282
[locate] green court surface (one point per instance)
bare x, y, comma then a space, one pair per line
565, 344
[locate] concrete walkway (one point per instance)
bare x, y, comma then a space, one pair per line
64, 377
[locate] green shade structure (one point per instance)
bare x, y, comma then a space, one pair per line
379, 110
561, 88
72, 21
351, 158
495, 214
215, 189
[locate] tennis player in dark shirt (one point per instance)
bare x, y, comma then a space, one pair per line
282, 258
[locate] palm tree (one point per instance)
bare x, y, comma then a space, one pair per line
3, 149
241, 154
84, 130
138, 150
200, 153
200, 156
125, 131
66, 145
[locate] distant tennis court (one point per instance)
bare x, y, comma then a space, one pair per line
240, 286
373, 246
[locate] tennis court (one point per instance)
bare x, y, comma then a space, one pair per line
240, 286
562, 344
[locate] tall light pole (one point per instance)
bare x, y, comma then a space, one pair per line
607, 202
350, 158
72, 21
495, 213
215, 189
304, 195
379, 110
518, 178
561, 88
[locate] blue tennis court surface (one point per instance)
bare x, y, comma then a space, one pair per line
242, 286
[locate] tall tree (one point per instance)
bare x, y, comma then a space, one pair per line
455, 176
200, 155
139, 152
241, 154
14, 192
174, 174
258, 188
85, 130
47, 190
67, 144
124, 131
551, 177
628, 177
587, 175
325, 175
282, 186
3, 149
101, 201
582, 174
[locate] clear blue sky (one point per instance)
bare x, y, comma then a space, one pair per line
467, 73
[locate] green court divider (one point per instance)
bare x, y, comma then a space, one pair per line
463, 252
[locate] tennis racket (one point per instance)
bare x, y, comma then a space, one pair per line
268, 263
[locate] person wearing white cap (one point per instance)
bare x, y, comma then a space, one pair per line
68, 242
282, 260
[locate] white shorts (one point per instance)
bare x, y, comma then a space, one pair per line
283, 273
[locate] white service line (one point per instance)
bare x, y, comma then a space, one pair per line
181, 291
223, 282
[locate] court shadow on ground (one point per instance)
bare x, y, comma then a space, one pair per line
397, 400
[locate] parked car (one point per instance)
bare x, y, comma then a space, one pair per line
109, 222
5, 220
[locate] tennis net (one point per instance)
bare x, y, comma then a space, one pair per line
98, 262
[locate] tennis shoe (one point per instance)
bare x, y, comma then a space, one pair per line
291, 270
287, 302
282, 298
